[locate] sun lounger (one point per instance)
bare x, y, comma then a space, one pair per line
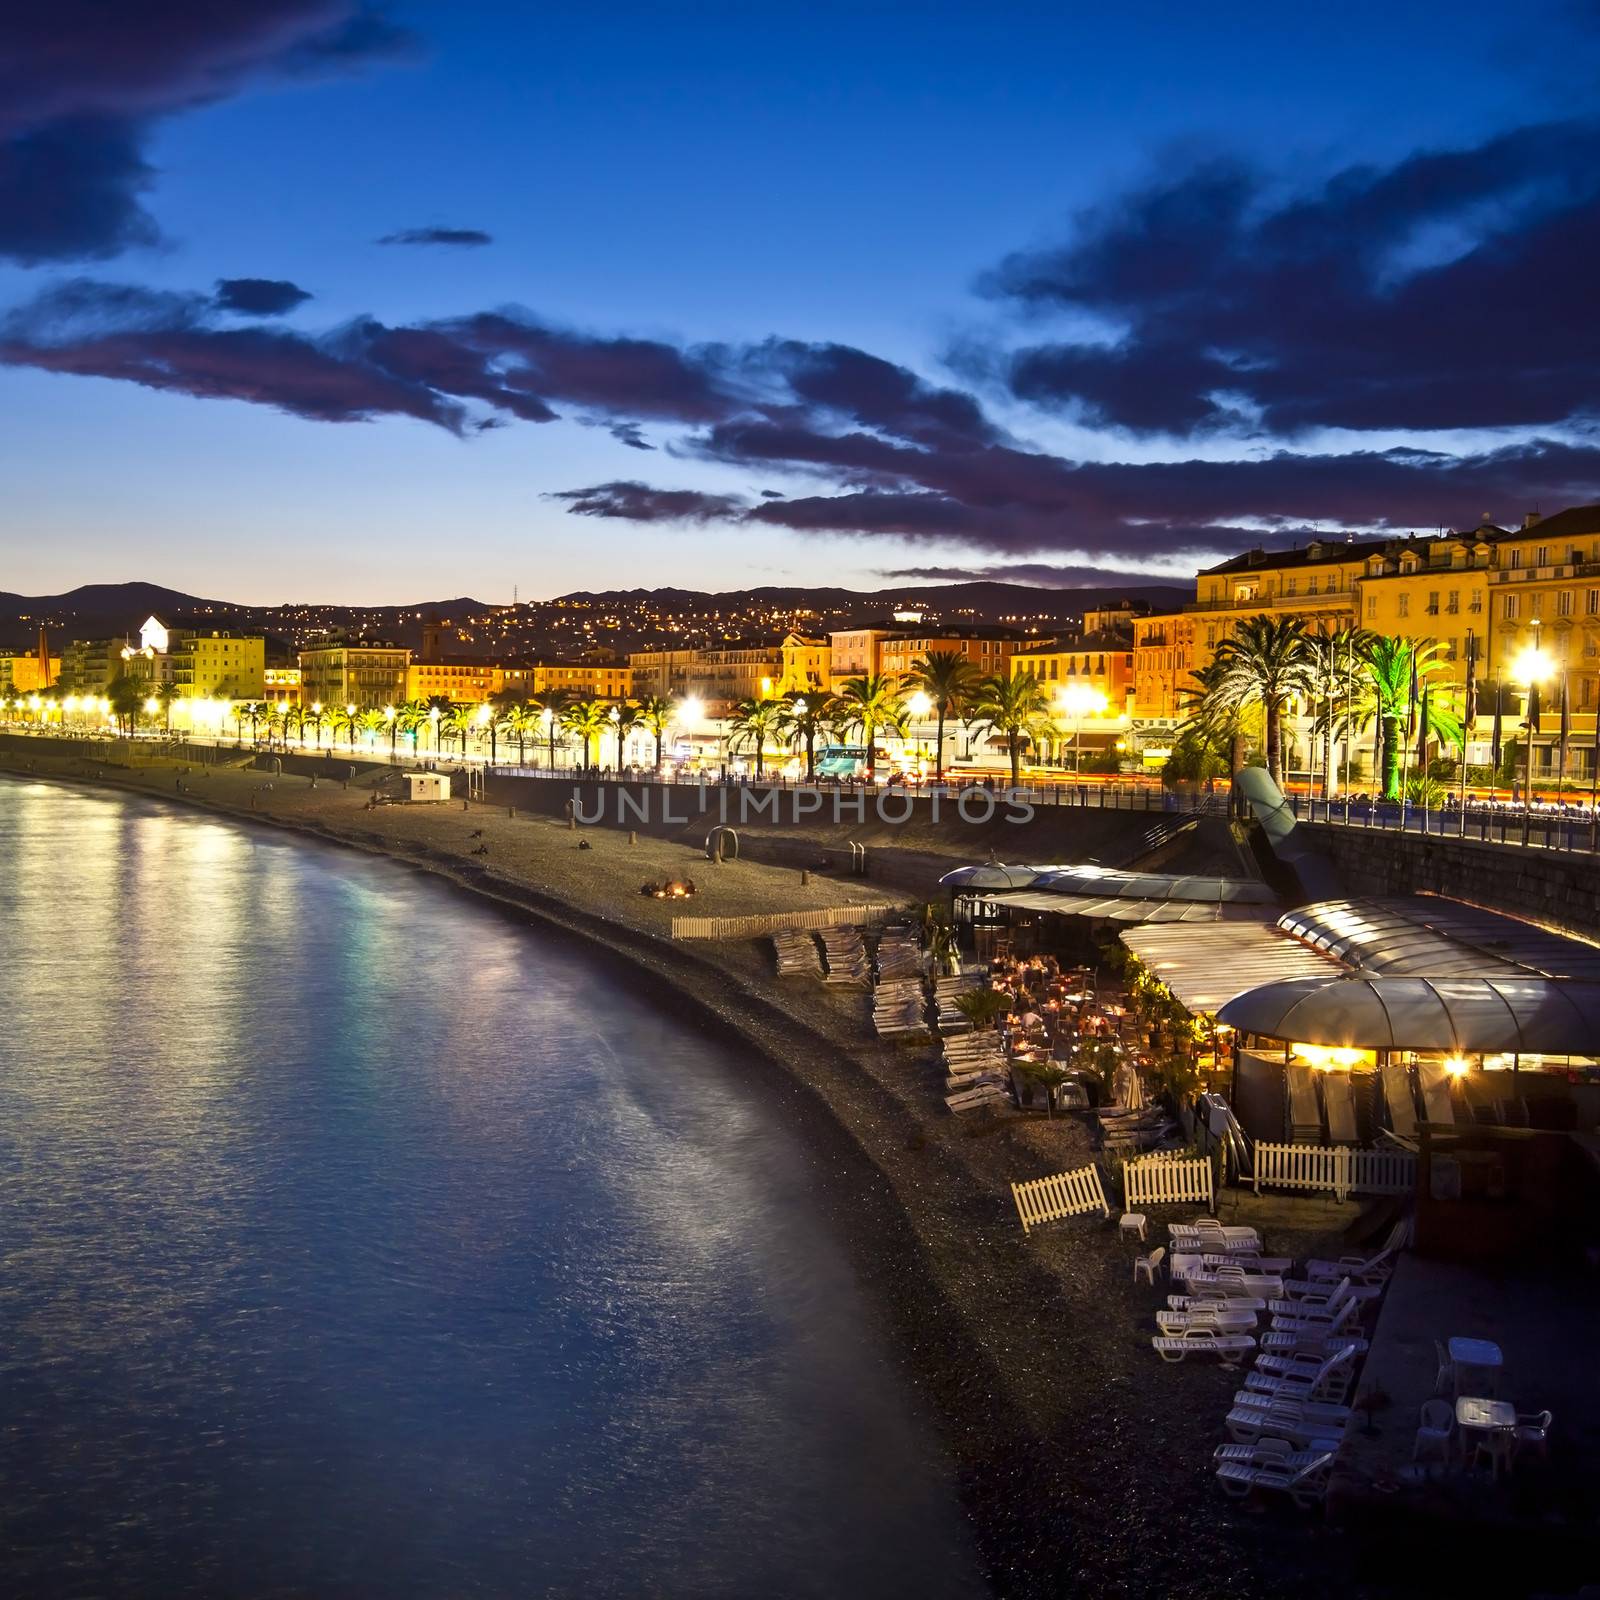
1434, 1082
1305, 1120
1307, 1377
1401, 1104
1308, 1317
1213, 1314
1214, 1237
1230, 1348
1235, 1281
1196, 1302
1300, 1424
1304, 1342
1301, 1297
1305, 1485
1339, 1101
1268, 1452
1278, 1264
797, 954
975, 1099
1373, 1269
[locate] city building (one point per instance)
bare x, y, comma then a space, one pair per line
718, 676
602, 678
281, 684
463, 680
988, 650
854, 653
366, 674
1163, 669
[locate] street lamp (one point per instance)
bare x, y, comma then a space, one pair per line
1531, 668
1078, 700
548, 718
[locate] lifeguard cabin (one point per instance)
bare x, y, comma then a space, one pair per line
427, 788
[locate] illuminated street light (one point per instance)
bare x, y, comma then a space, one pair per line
919, 705
1078, 700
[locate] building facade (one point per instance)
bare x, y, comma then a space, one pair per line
369, 676
988, 651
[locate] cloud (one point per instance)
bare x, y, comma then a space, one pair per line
259, 297
631, 501
457, 236
82, 83
1037, 574
1451, 289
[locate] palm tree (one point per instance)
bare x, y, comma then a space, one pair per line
166, 694
656, 713
803, 717
751, 723
503, 704
346, 720
1398, 672
1336, 661
870, 703
411, 719
1265, 661
127, 696
522, 724
1214, 730
372, 724
949, 680
588, 719
292, 716
455, 721
624, 718
1014, 707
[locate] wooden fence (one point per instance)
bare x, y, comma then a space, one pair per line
770, 922
1336, 1168
1066, 1194
1165, 1181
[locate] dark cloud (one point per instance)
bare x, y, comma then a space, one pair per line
459, 236
628, 433
1036, 573
82, 82
1452, 289
632, 501
259, 297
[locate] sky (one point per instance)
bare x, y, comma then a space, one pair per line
316, 300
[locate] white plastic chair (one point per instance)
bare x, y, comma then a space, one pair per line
1433, 1436
1149, 1267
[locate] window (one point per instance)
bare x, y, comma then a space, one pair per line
1311, 584
1591, 603
1516, 558
1475, 604
1433, 602
1541, 557
1403, 606
1452, 602
1564, 603
1291, 586
1372, 606
1508, 607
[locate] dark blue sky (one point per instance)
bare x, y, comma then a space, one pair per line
756, 294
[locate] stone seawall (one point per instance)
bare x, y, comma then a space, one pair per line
1557, 887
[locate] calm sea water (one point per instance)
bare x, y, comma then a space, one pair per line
354, 1241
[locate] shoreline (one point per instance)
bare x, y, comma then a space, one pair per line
1045, 1406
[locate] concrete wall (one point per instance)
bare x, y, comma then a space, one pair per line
1551, 886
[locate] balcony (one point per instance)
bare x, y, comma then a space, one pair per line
1334, 599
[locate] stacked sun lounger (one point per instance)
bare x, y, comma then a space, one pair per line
946, 991
899, 954
1304, 1115
1130, 1132
975, 1072
797, 954
846, 956
899, 1009
1287, 1423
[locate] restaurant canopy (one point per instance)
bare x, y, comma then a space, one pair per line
1086, 880
1205, 967
1434, 936
1510, 1014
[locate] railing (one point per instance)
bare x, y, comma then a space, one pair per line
1572, 827
1066, 1194
1165, 1181
1337, 1168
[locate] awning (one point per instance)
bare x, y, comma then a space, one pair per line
1117, 909
1508, 1015
1436, 937
1206, 966
1103, 883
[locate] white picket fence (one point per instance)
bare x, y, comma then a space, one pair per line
1165, 1181
1336, 1168
1066, 1194
770, 922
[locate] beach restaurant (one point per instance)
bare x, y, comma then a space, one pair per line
1352, 1022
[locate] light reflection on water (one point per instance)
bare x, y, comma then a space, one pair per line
353, 1241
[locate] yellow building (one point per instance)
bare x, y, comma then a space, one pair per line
281, 684
583, 680
987, 650
807, 665
463, 680
719, 676
855, 653
1100, 663
27, 674
1163, 666
366, 675
217, 666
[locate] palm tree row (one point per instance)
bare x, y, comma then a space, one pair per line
1350, 680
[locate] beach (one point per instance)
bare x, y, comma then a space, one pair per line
1084, 1463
